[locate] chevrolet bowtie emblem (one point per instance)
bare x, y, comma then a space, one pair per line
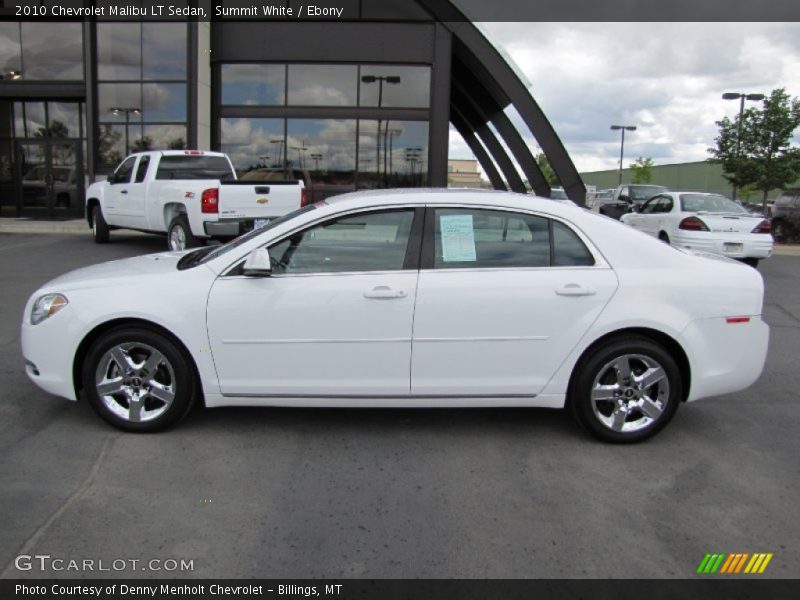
262, 200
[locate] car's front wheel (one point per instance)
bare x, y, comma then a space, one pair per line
626, 390
100, 231
138, 379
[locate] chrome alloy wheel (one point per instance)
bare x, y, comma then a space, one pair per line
177, 238
135, 382
630, 393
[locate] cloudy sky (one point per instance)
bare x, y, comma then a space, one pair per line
665, 78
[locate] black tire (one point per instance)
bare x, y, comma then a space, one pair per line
180, 234
100, 230
173, 378
663, 237
753, 262
596, 365
780, 231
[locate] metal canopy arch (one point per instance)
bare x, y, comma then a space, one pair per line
483, 85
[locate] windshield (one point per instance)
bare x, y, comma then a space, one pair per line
709, 203
645, 192
204, 255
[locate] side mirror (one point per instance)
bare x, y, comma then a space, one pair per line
258, 264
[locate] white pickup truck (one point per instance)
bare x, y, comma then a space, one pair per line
191, 195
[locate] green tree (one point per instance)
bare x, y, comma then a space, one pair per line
56, 129
176, 144
106, 142
142, 144
642, 170
766, 159
547, 170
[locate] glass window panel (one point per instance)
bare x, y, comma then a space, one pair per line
111, 142
6, 122
119, 95
166, 137
164, 101
475, 238
164, 50
327, 148
29, 119
119, 52
392, 154
253, 143
52, 50
253, 84
323, 85
394, 86
10, 57
6, 172
364, 242
64, 119
568, 249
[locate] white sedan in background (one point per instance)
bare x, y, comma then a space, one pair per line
407, 298
705, 222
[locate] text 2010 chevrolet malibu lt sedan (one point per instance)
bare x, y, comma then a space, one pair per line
406, 299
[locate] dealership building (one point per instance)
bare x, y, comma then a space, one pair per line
362, 102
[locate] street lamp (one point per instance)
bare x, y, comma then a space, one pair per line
301, 153
316, 158
381, 79
623, 129
279, 158
116, 110
742, 98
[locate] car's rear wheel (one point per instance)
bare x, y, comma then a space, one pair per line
180, 236
100, 231
138, 379
780, 231
627, 390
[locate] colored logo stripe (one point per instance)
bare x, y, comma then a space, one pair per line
734, 563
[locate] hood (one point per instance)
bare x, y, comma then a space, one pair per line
117, 272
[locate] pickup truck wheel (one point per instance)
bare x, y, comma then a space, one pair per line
180, 236
99, 226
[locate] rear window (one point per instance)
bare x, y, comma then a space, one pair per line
709, 203
194, 166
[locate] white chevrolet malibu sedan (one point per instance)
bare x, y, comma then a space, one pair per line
705, 222
411, 298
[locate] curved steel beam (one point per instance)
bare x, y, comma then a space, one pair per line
474, 120
460, 123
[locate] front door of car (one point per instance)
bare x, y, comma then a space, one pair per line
115, 204
333, 319
134, 200
646, 219
499, 307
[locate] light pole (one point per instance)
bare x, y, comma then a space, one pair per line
301, 153
623, 129
316, 158
742, 98
391, 134
116, 110
381, 79
279, 159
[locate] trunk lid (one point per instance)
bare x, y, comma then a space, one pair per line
267, 200
729, 222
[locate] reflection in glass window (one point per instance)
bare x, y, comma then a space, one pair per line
29, 119
64, 119
253, 143
323, 85
395, 86
326, 147
119, 95
165, 137
392, 154
111, 142
568, 249
164, 102
253, 84
164, 51
355, 243
475, 238
52, 50
6, 172
119, 51
10, 57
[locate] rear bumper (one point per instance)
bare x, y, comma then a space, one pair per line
753, 245
726, 357
229, 228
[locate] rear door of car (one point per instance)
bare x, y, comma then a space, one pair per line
502, 299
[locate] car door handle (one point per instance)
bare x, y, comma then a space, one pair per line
123, 191
384, 292
573, 289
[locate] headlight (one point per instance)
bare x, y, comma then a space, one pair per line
46, 306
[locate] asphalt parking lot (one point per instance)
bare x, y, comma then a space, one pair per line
292, 493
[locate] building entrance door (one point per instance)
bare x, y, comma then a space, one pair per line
50, 183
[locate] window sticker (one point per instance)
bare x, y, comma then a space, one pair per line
458, 238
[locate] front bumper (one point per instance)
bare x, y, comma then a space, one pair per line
49, 351
753, 245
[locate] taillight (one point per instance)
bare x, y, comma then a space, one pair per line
733, 320
763, 227
693, 224
210, 201
303, 197
193, 152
